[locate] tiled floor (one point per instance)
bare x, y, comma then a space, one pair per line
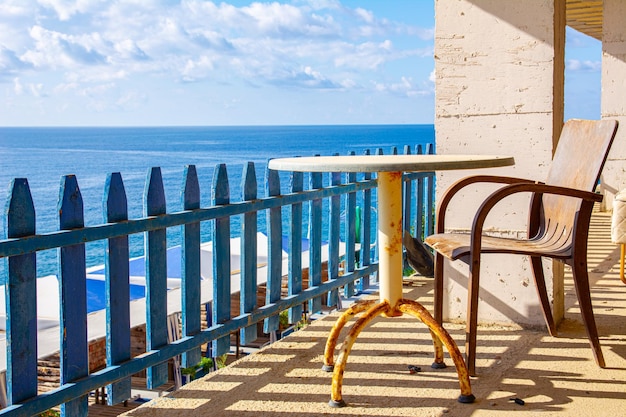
553, 376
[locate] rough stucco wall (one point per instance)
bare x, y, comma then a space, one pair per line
494, 67
613, 88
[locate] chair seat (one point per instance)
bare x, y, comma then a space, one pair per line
457, 245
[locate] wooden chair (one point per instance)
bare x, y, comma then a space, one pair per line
558, 225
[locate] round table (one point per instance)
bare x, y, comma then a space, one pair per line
389, 169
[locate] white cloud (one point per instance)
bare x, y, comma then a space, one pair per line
368, 55
54, 49
130, 99
85, 48
197, 69
18, 88
366, 15
129, 50
36, 90
65, 9
405, 87
585, 65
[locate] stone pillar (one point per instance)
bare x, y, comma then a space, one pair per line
499, 90
613, 87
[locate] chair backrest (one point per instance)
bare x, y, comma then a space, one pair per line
580, 155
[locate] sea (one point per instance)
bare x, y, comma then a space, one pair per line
44, 154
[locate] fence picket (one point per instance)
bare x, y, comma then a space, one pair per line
350, 210
190, 263
334, 213
295, 248
274, 249
366, 231
21, 298
73, 296
419, 203
407, 198
117, 287
430, 197
156, 277
315, 242
221, 260
249, 252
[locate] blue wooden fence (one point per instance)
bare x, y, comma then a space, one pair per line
22, 243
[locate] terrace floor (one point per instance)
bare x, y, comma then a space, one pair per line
554, 376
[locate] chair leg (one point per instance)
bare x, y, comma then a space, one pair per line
471, 328
581, 280
540, 283
438, 301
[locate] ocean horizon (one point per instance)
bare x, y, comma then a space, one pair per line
44, 154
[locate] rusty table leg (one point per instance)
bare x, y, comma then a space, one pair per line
439, 334
329, 351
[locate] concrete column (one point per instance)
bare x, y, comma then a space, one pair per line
613, 87
499, 90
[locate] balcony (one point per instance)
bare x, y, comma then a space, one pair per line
557, 376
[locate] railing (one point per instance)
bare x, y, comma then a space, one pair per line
286, 213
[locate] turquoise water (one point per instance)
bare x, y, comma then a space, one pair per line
44, 155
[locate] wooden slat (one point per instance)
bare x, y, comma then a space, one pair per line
117, 288
315, 242
350, 227
73, 296
156, 277
419, 202
21, 301
407, 198
248, 295
585, 16
221, 260
334, 230
429, 214
190, 279
275, 236
366, 234
295, 248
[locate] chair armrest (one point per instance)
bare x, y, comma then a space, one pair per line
464, 182
536, 188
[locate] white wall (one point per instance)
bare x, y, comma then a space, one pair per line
499, 85
613, 94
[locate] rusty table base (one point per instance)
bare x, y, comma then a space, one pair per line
372, 309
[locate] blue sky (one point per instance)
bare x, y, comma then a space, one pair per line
193, 62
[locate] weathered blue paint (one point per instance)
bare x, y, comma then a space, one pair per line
333, 238
156, 277
366, 230
315, 242
21, 301
247, 301
407, 197
430, 197
117, 287
53, 240
190, 259
221, 260
350, 209
294, 284
139, 363
22, 243
274, 248
73, 296
419, 202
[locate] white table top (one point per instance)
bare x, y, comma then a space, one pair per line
389, 163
